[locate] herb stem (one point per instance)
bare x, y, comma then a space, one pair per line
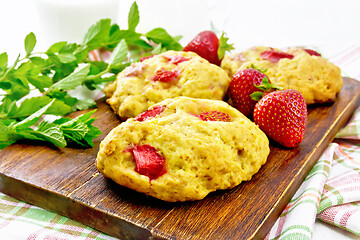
107, 70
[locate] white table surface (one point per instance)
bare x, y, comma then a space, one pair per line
276, 23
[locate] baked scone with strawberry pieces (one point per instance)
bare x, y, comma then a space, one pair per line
182, 149
304, 70
166, 75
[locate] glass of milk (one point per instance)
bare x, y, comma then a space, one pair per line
69, 20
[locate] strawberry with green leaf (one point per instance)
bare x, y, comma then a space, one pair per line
282, 115
247, 86
207, 45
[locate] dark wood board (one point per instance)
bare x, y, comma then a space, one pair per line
66, 181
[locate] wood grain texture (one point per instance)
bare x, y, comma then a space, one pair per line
66, 181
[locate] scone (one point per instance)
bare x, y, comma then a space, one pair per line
304, 70
182, 149
167, 75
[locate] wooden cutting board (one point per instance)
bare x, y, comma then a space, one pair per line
66, 181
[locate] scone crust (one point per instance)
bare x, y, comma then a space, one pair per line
134, 90
315, 77
200, 156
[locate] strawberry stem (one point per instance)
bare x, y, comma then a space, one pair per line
260, 70
256, 96
266, 86
224, 46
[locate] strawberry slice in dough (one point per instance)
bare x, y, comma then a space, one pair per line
214, 116
163, 75
312, 52
148, 161
150, 113
176, 59
275, 56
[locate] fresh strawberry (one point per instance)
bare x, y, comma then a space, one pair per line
156, 110
244, 83
163, 75
282, 116
312, 52
275, 56
207, 45
148, 161
214, 116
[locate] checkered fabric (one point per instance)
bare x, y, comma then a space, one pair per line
331, 191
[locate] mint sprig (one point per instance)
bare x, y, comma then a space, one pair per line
61, 133
63, 68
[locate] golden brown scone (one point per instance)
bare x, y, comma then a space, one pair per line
182, 149
163, 76
316, 78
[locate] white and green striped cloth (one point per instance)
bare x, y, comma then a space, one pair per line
330, 193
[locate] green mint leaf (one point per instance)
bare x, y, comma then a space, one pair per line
18, 88
133, 17
95, 83
30, 41
39, 61
40, 82
93, 133
6, 106
50, 132
142, 44
62, 52
33, 118
47, 132
85, 104
31, 105
174, 46
7, 136
97, 67
159, 35
56, 47
66, 57
55, 60
64, 97
177, 38
79, 130
158, 49
25, 69
128, 35
3, 61
5, 85
73, 80
74, 131
97, 34
224, 46
119, 54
